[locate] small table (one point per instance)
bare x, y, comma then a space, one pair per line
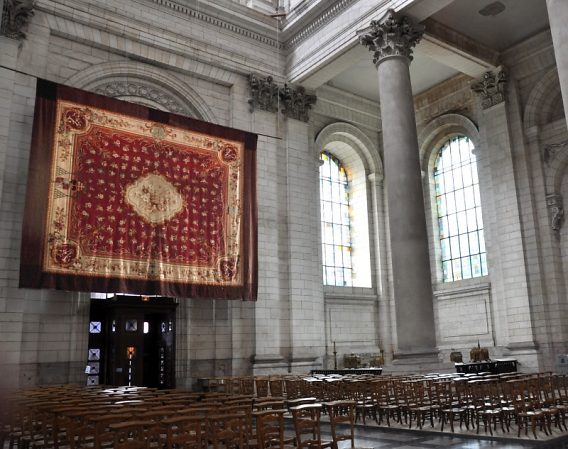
344, 372
498, 366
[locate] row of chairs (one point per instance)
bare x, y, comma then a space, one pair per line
64, 417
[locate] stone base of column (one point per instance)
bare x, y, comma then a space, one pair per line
418, 361
527, 354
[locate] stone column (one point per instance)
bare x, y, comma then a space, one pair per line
391, 40
558, 17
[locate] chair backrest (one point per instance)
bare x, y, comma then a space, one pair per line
270, 428
186, 432
130, 434
341, 412
306, 420
228, 431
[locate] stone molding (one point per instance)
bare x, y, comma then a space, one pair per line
294, 102
555, 205
319, 21
391, 36
16, 15
491, 88
215, 21
149, 92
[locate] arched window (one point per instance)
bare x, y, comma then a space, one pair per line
335, 222
460, 223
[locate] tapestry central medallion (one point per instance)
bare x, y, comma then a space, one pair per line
154, 198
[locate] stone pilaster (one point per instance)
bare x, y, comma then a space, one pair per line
391, 39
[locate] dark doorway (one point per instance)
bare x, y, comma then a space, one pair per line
132, 341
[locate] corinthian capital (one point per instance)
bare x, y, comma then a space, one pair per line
393, 35
491, 87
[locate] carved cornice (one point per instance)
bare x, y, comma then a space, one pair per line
556, 209
293, 101
314, 25
215, 21
491, 88
391, 36
16, 15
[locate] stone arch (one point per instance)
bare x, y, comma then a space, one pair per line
144, 84
543, 100
348, 140
441, 129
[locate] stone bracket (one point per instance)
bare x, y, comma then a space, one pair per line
293, 101
555, 206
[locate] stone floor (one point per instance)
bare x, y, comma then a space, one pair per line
381, 438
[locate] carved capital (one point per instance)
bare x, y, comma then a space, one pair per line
556, 209
491, 88
293, 101
264, 93
297, 103
391, 36
16, 15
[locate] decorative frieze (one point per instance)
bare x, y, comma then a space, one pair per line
556, 209
16, 15
391, 36
293, 102
491, 88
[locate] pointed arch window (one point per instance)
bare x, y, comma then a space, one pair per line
460, 222
336, 223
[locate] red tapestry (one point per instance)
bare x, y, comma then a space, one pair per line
123, 198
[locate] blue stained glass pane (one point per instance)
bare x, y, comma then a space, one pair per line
326, 190
451, 203
469, 197
476, 195
346, 257
455, 247
484, 264
329, 260
471, 220
345, 236
479, 217
439, 184
447, 270
339, 278
336, 210
443, 227
336, 192
445, 246
327, 215
467, 178
344, 214
481, 241
464, 245
476, 265
448, 182
348, 278
466, 268
328, 233
337, 234
441, 203
460, 201
473, 243
462, 222
330, 275
452, 225
458, 180
338, 255
456, 268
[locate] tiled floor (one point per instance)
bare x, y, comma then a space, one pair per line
379, 438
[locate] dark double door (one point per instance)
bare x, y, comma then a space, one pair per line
132, 341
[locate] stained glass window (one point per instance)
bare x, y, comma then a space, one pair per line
460, 223
335, 222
